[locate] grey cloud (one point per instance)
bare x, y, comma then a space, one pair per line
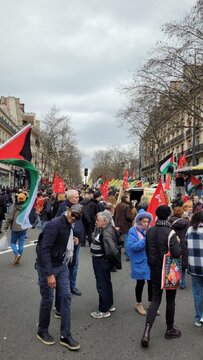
74, 54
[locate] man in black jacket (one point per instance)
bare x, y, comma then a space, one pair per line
78, 231
54, 250
156, 247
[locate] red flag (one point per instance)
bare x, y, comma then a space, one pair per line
140, 184
125, 179
167, 183
157, 199
105, 189
58, 184
182, 161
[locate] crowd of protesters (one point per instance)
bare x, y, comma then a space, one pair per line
127, 223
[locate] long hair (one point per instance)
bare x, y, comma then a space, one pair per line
197, 219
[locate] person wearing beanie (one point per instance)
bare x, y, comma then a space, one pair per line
138, 259
17, 233
156, 247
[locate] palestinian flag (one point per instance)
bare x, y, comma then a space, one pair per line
16, 151
166, 163
193, 184
98, 183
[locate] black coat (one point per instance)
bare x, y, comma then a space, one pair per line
53, 244
92, 209
157, 246
3, 207
180, 226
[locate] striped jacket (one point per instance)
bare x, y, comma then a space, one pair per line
194, 239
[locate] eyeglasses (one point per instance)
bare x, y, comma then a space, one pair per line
74, 216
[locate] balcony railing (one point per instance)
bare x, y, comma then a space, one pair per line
172, 142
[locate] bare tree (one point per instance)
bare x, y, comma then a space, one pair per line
112, 162
61, 154
165, 86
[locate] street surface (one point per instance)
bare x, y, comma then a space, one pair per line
114, 338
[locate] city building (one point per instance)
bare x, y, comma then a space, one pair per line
181, 133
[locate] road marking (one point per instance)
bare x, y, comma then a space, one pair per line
31, 243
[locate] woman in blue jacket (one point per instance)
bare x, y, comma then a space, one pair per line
138, 260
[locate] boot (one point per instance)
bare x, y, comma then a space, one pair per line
140, 309
146, 336
172, 333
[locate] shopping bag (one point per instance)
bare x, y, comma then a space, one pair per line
4, 243
171, 271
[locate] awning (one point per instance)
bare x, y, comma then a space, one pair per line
195, 170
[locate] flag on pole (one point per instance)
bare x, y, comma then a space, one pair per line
99, 181
157, 199
125, 179
193, 184
105, 189
167, 185
16, 151
58, 184
166, 163
182, 161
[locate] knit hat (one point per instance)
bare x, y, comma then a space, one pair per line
141, 215
163, 212
21, 197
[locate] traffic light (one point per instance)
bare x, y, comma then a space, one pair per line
85, 172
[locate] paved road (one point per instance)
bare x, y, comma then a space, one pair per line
114, 338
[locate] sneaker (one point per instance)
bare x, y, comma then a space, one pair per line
76, 291
172, 333
100, 315
46, 338
198, 323
112, 308
69, 342
57, 315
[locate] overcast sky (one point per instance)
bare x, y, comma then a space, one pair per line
75, 54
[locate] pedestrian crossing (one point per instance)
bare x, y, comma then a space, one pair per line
31, 243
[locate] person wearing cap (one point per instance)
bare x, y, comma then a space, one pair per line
72, 198
54, 252
156, 247
138, 260
17, 233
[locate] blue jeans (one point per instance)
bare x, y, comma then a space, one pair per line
197, 290
73, 266
20, 237
102, 271
183, 282
47, 294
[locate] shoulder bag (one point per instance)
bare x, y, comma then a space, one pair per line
171, 269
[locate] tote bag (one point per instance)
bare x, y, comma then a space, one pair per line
4, 243
171, 269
